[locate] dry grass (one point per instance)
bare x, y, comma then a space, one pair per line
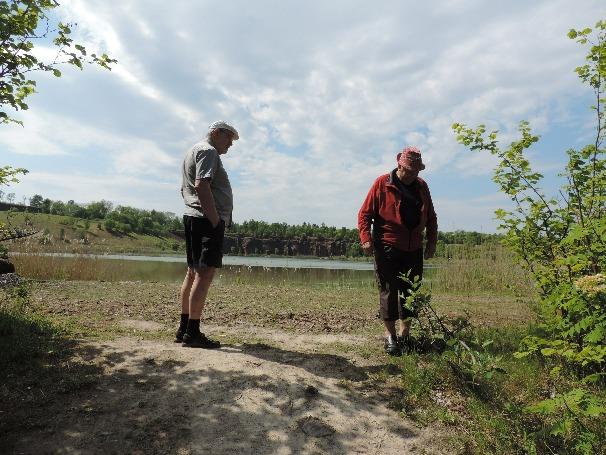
99, 306
488, 269
57, 267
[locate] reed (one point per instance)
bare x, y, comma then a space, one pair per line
82, 268
484, 269
488, 268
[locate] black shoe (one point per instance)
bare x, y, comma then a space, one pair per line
391, 346
179, 336
199, 340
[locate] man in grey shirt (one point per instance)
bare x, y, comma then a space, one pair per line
208, 201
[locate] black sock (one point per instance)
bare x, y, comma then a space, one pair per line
193, 326
183, 324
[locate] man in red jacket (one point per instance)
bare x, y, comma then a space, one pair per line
399, 208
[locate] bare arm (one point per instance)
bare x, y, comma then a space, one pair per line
205, 196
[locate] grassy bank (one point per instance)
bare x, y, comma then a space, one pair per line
65, 234
40, 326
37, 366
485, 269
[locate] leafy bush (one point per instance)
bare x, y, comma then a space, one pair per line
562, 241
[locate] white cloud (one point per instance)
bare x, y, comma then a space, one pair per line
84, 188
324, 94
472, 214
48, 134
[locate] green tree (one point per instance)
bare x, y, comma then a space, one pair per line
98, 210
46, 205
58, 208
22, 24
36, 201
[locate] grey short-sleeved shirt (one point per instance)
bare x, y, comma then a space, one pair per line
202, 161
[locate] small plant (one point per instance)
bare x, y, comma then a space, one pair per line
472, 362
466, 354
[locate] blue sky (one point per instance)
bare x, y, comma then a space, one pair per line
324, 95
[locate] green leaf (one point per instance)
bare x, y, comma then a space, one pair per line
562, 428
592, 378
596, 335
544, 407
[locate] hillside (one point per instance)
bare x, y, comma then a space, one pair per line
57, 233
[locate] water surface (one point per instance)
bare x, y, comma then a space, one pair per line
314, 272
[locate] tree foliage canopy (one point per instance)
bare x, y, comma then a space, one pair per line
22, 24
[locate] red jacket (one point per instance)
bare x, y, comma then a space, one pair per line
382, 209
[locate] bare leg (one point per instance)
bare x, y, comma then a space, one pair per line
404, 327
185, 290
390, 328
199, 291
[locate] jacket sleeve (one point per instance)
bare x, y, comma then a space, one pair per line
367, 213
432, 220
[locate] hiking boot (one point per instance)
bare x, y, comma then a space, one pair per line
199, 340
179, 336
391, 345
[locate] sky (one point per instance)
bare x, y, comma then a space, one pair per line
324, 94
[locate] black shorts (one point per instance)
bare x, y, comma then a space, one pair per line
204, 244
389, 264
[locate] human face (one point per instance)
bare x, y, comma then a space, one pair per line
222, 140
407, 175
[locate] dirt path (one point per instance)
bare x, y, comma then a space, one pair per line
158, 397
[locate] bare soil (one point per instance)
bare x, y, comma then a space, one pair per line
158, 397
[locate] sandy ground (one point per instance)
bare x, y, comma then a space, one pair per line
156, 397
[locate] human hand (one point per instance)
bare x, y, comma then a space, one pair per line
430, 250
367, 247
215, 221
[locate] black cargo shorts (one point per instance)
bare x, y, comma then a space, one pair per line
203, 242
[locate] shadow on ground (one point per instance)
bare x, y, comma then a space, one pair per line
146, 397
324, 365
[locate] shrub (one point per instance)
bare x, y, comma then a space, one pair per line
562, 241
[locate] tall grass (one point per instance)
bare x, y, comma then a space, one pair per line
486, 268
83, 268
462, 269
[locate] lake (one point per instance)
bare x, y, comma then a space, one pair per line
314, 272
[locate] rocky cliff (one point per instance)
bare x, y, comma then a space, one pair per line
310, 246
